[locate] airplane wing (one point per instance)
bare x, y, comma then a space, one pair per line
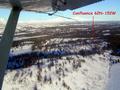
46, 5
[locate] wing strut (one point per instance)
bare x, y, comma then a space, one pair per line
6, 41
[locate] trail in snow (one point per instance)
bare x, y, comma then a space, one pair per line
114, 79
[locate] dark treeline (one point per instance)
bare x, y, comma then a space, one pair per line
27, 59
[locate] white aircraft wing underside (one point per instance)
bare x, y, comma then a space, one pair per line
46, 5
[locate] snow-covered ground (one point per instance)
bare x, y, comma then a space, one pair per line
91, 71
92, 75
71, 72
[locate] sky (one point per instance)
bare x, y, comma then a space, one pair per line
103, 6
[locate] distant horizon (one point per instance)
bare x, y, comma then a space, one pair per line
39, 22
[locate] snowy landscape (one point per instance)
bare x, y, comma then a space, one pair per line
69, 56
